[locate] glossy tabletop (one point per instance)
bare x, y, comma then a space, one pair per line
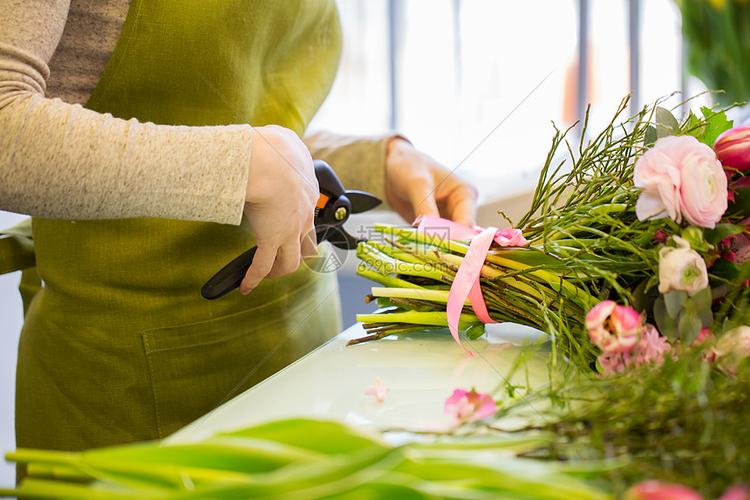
419, 371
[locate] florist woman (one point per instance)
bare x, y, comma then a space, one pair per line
153, 141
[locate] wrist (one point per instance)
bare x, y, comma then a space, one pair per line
395, 148
396, 144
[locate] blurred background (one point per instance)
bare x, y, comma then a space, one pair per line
478, 83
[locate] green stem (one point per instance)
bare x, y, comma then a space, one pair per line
389, 281
418, 318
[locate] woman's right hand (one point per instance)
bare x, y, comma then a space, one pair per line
280, 203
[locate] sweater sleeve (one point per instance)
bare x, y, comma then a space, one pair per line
358, 161
61, 160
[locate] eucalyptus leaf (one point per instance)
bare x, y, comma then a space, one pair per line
689, 327
662, 131
674, 302
666, 119
667, 325
702, 306
650, 136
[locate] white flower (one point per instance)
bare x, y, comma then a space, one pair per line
732, 347
681, 268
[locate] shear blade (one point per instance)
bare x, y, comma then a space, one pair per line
362, 201
338, 237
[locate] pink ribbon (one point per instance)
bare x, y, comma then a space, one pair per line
467, 281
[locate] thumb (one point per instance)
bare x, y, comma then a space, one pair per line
422, 197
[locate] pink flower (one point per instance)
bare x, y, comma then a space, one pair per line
680, 177
736, 492
469, 406
681, 268
661, 235
377, 390
651, 348
657, 490
511, 238
704, 335
732, 348
612, 327
733, 148
740, 244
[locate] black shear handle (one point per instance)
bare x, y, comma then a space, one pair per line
229, 277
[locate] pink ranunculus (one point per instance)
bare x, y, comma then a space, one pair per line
704, 189
469, 406
511, 237
681, 178
612, 327
657, 490
736, 492
732, 348
681, 269
733, 148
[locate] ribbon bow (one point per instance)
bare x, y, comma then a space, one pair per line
466, 283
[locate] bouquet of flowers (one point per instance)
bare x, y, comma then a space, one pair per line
639, 247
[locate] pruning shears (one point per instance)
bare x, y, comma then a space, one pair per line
335, 205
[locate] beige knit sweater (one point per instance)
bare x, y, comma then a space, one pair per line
60, 160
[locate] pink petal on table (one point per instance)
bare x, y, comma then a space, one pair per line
378, 390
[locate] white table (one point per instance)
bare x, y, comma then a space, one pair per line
420, 370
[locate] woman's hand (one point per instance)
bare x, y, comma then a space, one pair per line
417, 185
281, 195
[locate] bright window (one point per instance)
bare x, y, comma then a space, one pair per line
446, 73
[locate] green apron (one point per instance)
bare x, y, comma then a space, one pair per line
118, 345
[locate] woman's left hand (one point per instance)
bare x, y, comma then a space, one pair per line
415, 185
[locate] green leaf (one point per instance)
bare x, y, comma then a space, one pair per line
666, 119
689, 327
641, 298
650, 136
693, 126
725, 270
674, 302
741, 203
721, 231
666, 325
322, 436
702, 306
716, 123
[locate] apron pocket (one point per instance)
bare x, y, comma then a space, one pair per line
194, 368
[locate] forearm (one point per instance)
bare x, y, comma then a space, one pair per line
61, 160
